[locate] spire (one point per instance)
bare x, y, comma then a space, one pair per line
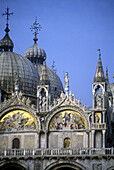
44, 76
99, 75
36, 27
6, 44
107, 78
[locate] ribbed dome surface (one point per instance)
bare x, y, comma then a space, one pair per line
35, 54
11, 63
55, 83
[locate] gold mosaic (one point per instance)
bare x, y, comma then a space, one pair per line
67, 120
17, 120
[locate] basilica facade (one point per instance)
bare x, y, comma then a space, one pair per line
43, 126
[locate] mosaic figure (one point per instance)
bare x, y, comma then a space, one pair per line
67, 120
17, 120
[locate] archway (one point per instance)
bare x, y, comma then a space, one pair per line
65, 166
16, 143
12, 166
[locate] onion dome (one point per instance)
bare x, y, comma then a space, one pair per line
11, 63
35, 54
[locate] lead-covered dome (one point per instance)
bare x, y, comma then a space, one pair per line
12, 63
35, 54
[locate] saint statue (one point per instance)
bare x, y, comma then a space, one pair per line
66, 83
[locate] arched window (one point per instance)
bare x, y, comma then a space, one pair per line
67, 143
15, 143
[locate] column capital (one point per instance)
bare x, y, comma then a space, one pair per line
103, 131
93, 131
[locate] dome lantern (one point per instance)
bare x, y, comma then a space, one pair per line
6, 44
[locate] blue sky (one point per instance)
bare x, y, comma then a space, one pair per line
72, 31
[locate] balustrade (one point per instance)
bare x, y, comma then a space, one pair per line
98, 126
55, 152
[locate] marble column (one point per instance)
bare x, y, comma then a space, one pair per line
103, 117
92, 138
92, 117
103, 132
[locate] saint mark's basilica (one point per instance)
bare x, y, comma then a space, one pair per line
43, 126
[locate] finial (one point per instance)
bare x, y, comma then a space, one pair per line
36, 27
99, 53
53, 66
8, 14
106, 70
66, 83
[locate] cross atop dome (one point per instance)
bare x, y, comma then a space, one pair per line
36, 27
7, 13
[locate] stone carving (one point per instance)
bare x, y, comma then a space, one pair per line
99, 100
71, 96
66, 100
62, 95
97, 167
79, 102
42, 101
24, 100
20, 94
28, 101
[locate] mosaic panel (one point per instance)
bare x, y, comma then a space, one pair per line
67, 120
17, 120
97, 117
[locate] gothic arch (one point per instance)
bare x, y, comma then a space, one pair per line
65, 165
97, 86
40, 89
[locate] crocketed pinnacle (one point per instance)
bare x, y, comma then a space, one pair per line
107, 78
44, 80
99, 75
